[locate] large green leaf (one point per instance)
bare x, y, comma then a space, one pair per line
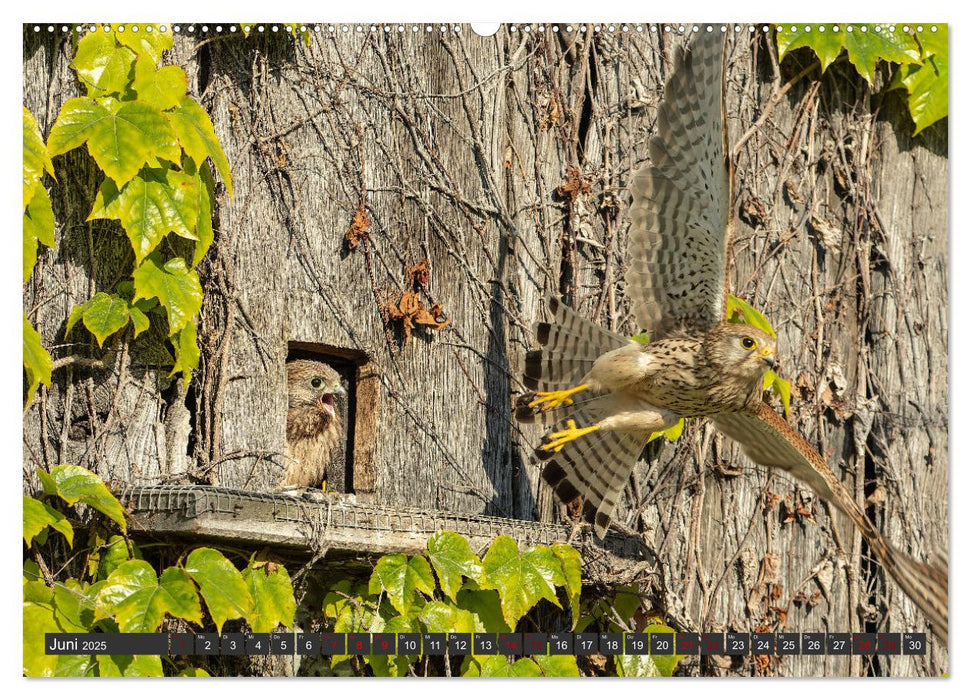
38, 227
146, 43
864, 49
101, 64
273, 601
139, 600
499, 667
572, 566
557, 665
204, 231
175, 286
665, 664
103, 315
402, 577
38, 516
521, 580
452, 558
121, 136
926, 84
36, 158
76, 483
161, 88
107, 555
130, 666
37, 361
195, 132
37, 621
636, 666
827, 45
152, 204
485, 607
186, 351
226, 594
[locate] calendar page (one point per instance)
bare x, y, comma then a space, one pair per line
533, 350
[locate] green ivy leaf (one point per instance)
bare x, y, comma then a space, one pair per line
37, 160
146, 43
37, 361
572, 566
192, 673
175, 286
76, 483
780, 387
636, 666
37, 621
38, 516
671, 434
521, 580
104, 314
273, 601
499, 667
139, 320
130, 666
485, 607
186, 351
196, 134
665, 664
152, 204
864, 49
204, 231
101, 64
47, 482
401, 577
38, 227
739, 311
452, 558
139, 600
926, 84
557, 665
827, 45
226, 594
120, 139
643, 338
108, 556
74, 604
161, 88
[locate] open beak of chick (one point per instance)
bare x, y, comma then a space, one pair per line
327, 401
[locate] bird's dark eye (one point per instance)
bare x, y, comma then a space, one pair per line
316, 382
748, 343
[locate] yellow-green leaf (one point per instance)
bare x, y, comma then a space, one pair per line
827, 45
175, 286
76, 483
121, 136
671, 434
38, 227
557, 665
402, 577
572, 566
105, 314
161, 88
152, 204
37, 160
37, 361
144, 42
139, 600
739, 311
226, 594
204, 231
196, 134
129, 666
864, 49
499, 667
452, 558
38, 516
521, 580
273, 601
101, 64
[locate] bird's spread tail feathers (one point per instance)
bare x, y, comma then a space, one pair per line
571, 344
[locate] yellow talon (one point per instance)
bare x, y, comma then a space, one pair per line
551, 399
562, 437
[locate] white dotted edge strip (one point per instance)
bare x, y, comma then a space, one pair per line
351, 29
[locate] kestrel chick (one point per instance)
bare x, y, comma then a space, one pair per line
608, 394
314, 428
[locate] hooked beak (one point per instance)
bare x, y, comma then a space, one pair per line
769, 359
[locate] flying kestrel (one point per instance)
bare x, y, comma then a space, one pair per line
607, 394
313, 423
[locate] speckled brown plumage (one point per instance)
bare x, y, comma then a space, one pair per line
606, 394
314, 429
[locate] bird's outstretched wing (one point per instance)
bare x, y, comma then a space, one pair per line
768, 440
681, 223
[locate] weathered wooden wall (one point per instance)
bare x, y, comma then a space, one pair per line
459, 147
